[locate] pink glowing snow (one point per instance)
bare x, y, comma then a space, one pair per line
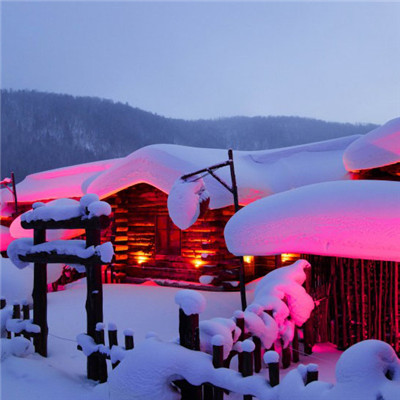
377, 148
359, 219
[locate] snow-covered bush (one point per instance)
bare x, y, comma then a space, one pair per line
282, 295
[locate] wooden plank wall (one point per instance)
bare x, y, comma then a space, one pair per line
134, 212
363, 299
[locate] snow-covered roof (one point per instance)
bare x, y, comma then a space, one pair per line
356, 219
378, 148
259, 173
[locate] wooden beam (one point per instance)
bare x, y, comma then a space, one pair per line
101, 222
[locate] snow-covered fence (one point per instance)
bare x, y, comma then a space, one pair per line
369, 370
281, 305
16, 321
86, 256
95, 348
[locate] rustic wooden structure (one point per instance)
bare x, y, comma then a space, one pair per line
149, 246
356, 300
94, 299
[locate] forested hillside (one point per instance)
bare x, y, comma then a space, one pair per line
40, 131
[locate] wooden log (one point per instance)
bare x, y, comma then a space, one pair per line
16, 314
286, 356
113, 340
312, 373
295, 345
100, 339
218, 362
189, 338
257, 354
129, 340
25, 310
271, 358
39, 296
94, 302
240, 323
101, 222
247, 362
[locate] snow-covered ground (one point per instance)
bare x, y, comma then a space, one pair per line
142, 308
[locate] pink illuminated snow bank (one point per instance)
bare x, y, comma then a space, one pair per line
377, 148
356, 219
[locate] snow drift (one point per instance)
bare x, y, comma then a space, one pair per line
356, 219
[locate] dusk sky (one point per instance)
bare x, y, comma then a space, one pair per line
332, 61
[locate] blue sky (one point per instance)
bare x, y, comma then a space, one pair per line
333, 61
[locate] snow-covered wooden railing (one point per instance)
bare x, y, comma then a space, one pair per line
87, 256
281, 305
96, 347
17, 321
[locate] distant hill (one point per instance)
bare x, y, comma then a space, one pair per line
41, 131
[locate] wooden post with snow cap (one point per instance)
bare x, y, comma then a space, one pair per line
312, 373
191, 304
113, 339
240, 323
271, 358
218, 362
39, 296
248, 347
100, 339
129, 340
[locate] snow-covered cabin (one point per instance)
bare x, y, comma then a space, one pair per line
349, 231
147, 243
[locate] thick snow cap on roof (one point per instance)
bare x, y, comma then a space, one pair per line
356, 219
258, 173
378, 148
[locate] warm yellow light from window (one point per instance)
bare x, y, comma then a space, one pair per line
142, 259
198, 263
248, 259
288, 256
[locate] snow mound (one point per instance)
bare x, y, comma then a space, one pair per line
17, 346
357, 219
190, 301
186, 201
378, 148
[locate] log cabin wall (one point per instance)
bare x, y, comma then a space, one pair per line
356, 300
149, 245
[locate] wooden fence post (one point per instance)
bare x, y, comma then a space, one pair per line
99, 339
218, 362
295, 346
312, 373
16, 314
286, 356
257, 354
308, 329
271, 358
129, 341
240, 323
39, 295
112, 339
94, 302
248, 347
189, 338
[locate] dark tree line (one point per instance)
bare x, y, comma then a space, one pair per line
41, 131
